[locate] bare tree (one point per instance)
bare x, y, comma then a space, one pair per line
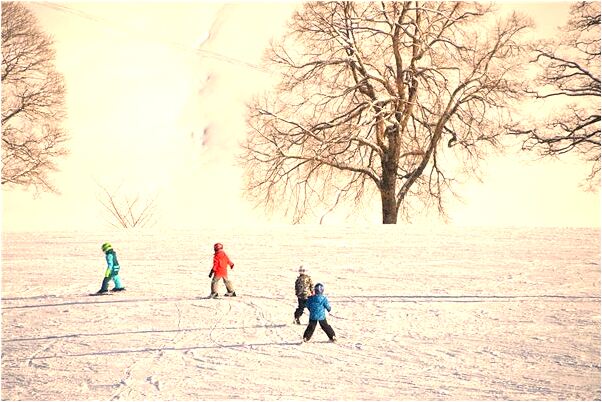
33, 96
128, 211
570, 72
393, 97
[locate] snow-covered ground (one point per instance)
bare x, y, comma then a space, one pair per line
420, 313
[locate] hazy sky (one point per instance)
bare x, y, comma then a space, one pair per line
155, 97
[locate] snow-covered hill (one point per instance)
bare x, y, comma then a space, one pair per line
420, 313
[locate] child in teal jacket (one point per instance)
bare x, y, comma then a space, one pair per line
112, 271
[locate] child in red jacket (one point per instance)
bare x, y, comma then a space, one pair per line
220, 271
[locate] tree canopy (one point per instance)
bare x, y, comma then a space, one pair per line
33, 95
392, 98
570, 74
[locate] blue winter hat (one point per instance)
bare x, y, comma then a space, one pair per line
319, 288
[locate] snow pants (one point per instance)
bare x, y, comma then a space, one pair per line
300, 307
309, 331
214, 282
105, 283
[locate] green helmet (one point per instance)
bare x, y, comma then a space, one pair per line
106, 247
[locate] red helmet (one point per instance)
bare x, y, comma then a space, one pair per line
218, 247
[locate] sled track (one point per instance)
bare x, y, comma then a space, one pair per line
128, 386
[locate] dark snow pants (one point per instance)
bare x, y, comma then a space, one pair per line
300, 307
309, 331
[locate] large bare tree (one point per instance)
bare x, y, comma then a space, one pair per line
33, 95
391, 97
570, 72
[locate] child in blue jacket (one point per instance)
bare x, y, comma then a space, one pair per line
317, 306
112, 271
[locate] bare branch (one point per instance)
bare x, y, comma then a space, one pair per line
569, 73
126, 212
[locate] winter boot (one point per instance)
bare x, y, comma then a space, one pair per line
297, 321
230, 294
213, 296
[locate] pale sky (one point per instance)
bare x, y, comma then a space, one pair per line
155, 98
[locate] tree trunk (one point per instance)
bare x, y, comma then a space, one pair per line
387, 196
389, 208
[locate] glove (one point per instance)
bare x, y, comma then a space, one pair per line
232, 266
210, 274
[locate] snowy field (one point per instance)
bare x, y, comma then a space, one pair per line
421, 314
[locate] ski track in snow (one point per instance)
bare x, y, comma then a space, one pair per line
419, 313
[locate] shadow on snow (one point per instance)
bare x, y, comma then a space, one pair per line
337, 299
152, 350
148, 331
